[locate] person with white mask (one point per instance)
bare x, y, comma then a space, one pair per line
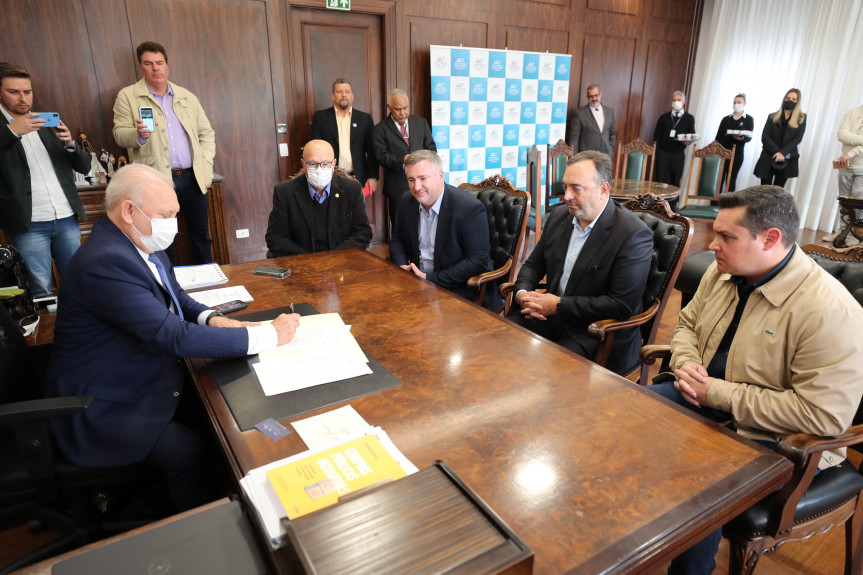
670, 147
123, 326
738, 121
317, 210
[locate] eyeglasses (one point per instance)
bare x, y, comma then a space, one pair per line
324, 165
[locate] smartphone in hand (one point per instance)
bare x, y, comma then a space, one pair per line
149, 120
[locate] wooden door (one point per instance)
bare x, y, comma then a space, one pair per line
325, 45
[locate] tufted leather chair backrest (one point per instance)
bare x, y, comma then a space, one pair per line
671, 237
506, 209
708, 179
848, 272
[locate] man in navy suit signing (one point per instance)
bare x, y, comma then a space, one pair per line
596, 256
123, 325
441, 232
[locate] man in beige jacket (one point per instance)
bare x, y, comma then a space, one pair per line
182, 146
850, 172
770, 339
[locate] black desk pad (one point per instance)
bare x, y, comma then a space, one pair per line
243, 393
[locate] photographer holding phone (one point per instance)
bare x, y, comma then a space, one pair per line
39, 203
181, 143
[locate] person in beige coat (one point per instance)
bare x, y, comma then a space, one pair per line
770, 340
182, 146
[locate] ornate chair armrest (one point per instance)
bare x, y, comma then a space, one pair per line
801, 447
600, 329
476, 281
650, 353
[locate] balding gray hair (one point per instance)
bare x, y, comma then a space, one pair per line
397, 92
130, 182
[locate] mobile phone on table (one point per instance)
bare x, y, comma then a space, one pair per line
52, 119
146, 113
228, 307
275, 272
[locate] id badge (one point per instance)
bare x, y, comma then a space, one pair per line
672, 133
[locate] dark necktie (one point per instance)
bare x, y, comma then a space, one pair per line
405, 134
164, 276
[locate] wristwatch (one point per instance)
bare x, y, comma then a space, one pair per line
214, 314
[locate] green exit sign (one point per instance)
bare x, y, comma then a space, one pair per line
339, 4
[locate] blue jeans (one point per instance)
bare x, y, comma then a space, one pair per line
57, 238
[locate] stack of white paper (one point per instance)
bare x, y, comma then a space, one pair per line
213, 297
194, 277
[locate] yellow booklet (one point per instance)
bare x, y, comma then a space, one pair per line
318, 480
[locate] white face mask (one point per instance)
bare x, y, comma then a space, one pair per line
738, 108
677, 105
319, 177
164, 230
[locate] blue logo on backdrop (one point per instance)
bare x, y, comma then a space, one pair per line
475, 176
528, 112
493, 158
497, 64
440, 88
542, 131
510, 174
545, 91
441, 136
458, 113
460, 62
476, 137
457, 160
522, 155
510, 135
561, 67
495, 113
558, 112
513, 90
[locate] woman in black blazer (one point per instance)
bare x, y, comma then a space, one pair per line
780, 138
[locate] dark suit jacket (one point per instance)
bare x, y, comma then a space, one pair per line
324, 127
16, 204
116, 339
584, 132
390, 150
774, 139
289, 231
461, 248
607, 281
664, 125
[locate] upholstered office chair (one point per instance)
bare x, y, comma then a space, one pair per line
809, 504
672, 234
557, 157
708, 163
36, 484
635, 160
507, 210
534, 179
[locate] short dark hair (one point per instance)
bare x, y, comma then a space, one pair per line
150, 46
9, 70
766, 207
341, 81
601, 161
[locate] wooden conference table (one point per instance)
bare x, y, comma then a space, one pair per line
623, 190
590, 470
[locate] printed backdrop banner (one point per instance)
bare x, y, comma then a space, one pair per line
490, 106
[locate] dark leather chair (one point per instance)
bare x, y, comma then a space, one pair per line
507, 210
36, 484
672, 234
808, 504
709, 164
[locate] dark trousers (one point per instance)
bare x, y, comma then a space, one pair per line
552, 329
777, 178
193, 206
669, 167
735, 169
392, 209
180, 453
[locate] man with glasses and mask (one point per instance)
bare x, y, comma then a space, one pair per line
317, 210
123, 325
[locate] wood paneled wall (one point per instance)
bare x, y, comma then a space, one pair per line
238, 57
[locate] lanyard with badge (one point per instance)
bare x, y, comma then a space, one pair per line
672, 133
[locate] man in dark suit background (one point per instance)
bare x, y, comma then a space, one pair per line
441, 232
122, 327
394, 138
670, 150
596, 256
318, 210
39, 203
349, 132
592, 126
